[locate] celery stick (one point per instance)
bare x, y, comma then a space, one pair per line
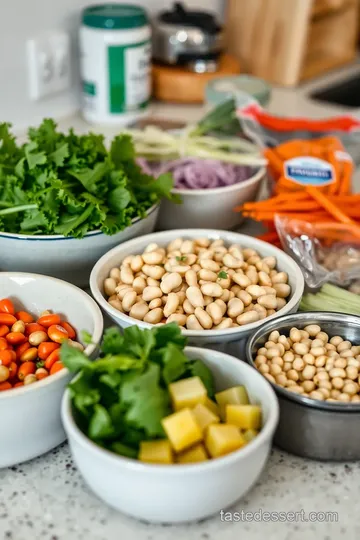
341, 294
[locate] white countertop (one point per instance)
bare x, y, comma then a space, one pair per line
46, 499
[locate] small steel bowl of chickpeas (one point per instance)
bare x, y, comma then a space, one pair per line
313, 361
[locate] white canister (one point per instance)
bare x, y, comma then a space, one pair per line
115, 46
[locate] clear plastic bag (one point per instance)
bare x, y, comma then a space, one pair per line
325, 252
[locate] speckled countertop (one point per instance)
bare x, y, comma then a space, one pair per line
46, 499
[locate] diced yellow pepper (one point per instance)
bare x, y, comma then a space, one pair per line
193, 455
221, 439
187, 393
250, 434
212, 406
232, 396
156, 452
244, 416
204, 416
182, 429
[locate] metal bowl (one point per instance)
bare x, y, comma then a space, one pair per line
321, 430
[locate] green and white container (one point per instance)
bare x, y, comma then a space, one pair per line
115, 47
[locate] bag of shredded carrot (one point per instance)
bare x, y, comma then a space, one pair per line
325, 252
267, 130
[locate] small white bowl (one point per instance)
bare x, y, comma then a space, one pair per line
198, 337
67, 258
180, 493
31, 423
210, 208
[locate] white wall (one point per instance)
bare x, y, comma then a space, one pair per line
23, 19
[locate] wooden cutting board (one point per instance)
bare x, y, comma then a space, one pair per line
178, 85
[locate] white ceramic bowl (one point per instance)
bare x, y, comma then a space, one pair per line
31, 423
180, 493
198, 337
210, 208
63, 257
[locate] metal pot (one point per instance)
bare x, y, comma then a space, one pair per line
321, 430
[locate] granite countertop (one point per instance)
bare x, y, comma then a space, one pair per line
46, 498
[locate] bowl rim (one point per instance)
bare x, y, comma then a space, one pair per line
137, 466
192, 233
90, 304
256, 177
53, 237
317, 317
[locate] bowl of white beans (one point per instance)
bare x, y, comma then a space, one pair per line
312, 360
218, 286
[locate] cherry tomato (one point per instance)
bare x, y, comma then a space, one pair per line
57, 333
26, 369
58, 366
16, 338
5, 386
6, 306
21, 349
24, 316
4, 330
70, 330
7, 318
49, 320
52, 358
46, 348
6, 357
34, 327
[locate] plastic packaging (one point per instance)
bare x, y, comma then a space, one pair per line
267, 130
329, 253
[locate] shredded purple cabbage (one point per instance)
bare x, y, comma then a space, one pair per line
194, 173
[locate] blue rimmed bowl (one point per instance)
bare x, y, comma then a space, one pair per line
66, 258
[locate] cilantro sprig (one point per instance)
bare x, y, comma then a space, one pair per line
120, 398
69, 184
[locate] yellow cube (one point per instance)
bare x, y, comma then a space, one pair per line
232, 396
244, 416
250, 434
204, 416
187, 393
156, 452
182, 429
195, 454
212, 406
222, 439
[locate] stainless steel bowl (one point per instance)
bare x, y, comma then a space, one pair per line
319, 430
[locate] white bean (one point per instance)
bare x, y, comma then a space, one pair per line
224, 324
235, 308
202, 242
282, 290
137, 263
248, 318
151, 247
270, 261
222, 305
175, 244
245, 297
139, 310
226, 295
171, 305
129, 300
152, 258
153, 282
178, 318
188, 307
268, 301
204, 318
149, 293
171, 282
264, 279
139, 284
252, 274
280, 277
255, 291
124, 290
232, 262
110, 286
154, 316
126, 275
260, 310
208, 264
191, 278
155, 272
195, 297
116, 304
241, 280
187, 246
192, 323
212, 289
215, 312
115, 274
280, 303
157, 302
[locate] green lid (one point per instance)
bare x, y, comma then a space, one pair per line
115, 16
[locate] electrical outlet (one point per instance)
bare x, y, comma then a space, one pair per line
49, 63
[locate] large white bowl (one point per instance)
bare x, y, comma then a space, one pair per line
63, 257
180, 493
198, 337
31, 423
210, 208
